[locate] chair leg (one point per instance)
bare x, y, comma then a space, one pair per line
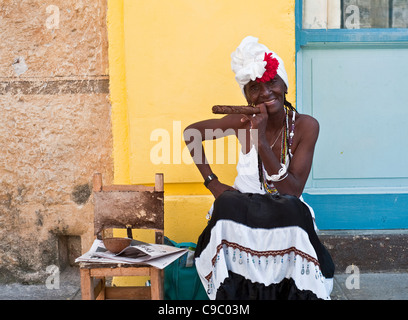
87, 290
156, 284
99, 288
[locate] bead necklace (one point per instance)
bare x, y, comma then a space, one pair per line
286, 146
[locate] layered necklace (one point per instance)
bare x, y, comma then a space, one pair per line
287, 134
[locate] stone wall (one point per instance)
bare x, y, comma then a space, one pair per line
55, 131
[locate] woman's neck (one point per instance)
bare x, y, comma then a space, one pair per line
275, 121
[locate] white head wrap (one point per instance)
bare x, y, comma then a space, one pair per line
247, 61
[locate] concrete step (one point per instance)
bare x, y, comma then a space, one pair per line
369, 250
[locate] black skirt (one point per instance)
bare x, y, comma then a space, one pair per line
263, 247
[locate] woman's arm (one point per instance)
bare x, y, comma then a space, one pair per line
306, 134
198, 132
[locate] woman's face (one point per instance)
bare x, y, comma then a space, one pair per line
272, 93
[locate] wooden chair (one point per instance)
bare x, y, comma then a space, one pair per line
125, 206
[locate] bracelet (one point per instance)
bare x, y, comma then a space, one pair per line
283, 178
277, 177
271, 185
210, 178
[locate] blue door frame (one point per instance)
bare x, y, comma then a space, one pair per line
350, 208
308, 36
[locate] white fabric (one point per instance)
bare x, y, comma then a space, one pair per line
247, 62
261, 261
247, 179
297, 261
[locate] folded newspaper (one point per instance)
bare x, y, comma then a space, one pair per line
156, 255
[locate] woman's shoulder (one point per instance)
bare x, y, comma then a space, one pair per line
306, 121
306, 128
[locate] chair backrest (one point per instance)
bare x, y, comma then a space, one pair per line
129, 206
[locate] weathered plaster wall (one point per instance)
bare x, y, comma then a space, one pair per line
55, 131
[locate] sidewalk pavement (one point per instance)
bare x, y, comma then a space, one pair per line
69, 289
371, 286
353, 286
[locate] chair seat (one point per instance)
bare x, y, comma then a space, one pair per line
89, 265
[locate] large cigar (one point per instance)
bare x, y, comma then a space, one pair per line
235, 110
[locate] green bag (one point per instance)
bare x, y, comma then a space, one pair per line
181, 280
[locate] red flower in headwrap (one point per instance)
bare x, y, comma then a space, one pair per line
271, 67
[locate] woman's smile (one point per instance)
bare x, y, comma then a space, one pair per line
270, 102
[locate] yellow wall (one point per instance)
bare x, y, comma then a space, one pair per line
169, 64
117, 75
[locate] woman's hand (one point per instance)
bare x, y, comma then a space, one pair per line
257, 122
217, 188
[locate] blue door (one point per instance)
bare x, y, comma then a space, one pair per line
354, 82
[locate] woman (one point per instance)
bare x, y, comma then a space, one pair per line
261, 242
